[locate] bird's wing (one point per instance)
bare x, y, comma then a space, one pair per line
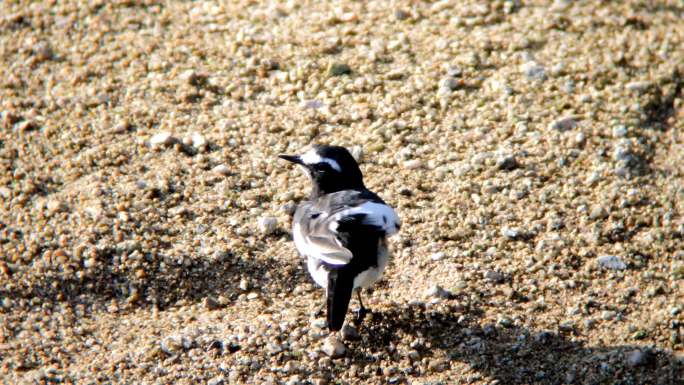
325, 225
314, 238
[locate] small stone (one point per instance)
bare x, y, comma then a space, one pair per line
319, 323
506, 162
357, 153
608, 315
244, 284
198, 141
619, 131
218, 380
563, 124
505, 322
438, 256
639, 357
612, 262
267, 225
349, 333
510, 233
55, 206
413, 164
42, 51
400, 14
437, 291
598, 212
413, 355
221, 169
171, 345
437, 365
333, 347
449, 83
338, 69
252, 295
162, 139
638, 86
494, 276
210, 303
533, 71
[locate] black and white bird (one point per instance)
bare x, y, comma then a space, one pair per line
341, 230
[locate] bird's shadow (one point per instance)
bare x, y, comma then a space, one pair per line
447, 336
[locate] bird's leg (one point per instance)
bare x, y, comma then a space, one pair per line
361, 313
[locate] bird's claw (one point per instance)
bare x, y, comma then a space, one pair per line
360, 315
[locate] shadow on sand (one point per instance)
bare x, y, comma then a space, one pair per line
511, 355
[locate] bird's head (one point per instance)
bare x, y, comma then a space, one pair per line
331, 169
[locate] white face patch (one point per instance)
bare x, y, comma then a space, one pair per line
312, 157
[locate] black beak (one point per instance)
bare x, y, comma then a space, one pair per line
291, 158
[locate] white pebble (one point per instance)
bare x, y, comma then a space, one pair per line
563, 124
162, 139
357, 153
612, 262
413, 164
267, 225
221, 169
533, 70
437, 291
244, 284
510, 233
438, 256
198, 141
333, 347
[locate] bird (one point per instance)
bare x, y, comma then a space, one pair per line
341, 229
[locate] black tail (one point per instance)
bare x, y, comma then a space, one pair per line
340, 287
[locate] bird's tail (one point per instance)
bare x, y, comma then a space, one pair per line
340, 287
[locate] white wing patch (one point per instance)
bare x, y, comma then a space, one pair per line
312, 157
377, 214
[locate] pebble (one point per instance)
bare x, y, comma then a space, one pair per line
244, 284
506, 162
221, 169
319, 323
171, 345
267, 225
338, 69
198, 141
598, 212
619, 131
218, 380
357, 153
437, 291
564, 124
349, 333
510, 233
638, 86
413, 164
533, 71
493, 276
608, 315
612, 262
162, 139
210, 303
638, 357
449, 83
252, 295
333, 347
438, 256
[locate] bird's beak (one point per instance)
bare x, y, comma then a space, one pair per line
291, 158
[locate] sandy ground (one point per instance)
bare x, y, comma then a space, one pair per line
533, 151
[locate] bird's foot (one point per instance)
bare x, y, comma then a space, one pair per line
359, 316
